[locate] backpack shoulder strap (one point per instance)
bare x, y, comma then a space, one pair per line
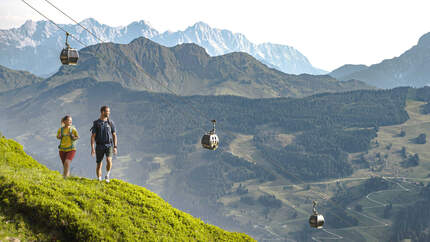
95, 123
61, 139
70, 131
110, 123
72, 140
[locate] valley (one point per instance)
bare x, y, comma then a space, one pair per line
260, 179
297, 198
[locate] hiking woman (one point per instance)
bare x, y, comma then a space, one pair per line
67, 135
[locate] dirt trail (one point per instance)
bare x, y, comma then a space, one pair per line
157, 178
242, 147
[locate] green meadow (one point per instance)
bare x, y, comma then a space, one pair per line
38, 204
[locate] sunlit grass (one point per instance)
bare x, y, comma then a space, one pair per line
90, 210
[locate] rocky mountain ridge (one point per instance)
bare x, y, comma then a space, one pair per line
35, 45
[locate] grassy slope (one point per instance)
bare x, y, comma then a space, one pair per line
418, 123
84, 209
14, 225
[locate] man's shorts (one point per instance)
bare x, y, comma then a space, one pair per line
101, 151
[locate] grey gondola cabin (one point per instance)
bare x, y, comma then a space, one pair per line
69, 56
316, 220
210, 140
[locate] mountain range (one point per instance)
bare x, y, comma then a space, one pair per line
220, 41
187, 69
35, 46
412, 68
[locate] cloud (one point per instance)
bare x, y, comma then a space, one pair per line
7, 22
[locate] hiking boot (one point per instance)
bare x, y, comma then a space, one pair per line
107, 179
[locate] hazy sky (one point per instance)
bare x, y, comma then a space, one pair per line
329, 33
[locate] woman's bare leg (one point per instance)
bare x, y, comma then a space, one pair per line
66, 166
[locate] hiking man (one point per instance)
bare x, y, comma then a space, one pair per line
105, 139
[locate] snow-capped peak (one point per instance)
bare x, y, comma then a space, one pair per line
201, 25
90, 21
35, 38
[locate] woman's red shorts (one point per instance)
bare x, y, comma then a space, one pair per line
67, 155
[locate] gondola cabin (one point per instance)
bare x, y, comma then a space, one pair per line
316, 221
210, 140
69, 56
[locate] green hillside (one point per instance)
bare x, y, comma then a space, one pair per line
80, 209
12, 79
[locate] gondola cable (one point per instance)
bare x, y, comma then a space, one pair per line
140, 67
58, 26
210, 132
321, 194
209, 140
95, 36
211, 143
325, 196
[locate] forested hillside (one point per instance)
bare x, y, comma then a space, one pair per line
412, 222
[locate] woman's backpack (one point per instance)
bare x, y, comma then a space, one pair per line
64, 135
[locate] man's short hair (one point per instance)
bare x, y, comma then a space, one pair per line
103, 109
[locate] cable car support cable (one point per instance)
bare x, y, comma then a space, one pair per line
321, 194
212, 134
58, 26
210, 139
140, 67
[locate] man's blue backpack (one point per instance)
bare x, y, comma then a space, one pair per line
103, 131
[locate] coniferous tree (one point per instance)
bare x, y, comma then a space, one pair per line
421, 139
403, 152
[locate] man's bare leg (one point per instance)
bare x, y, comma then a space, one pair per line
108, 167
99, 170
